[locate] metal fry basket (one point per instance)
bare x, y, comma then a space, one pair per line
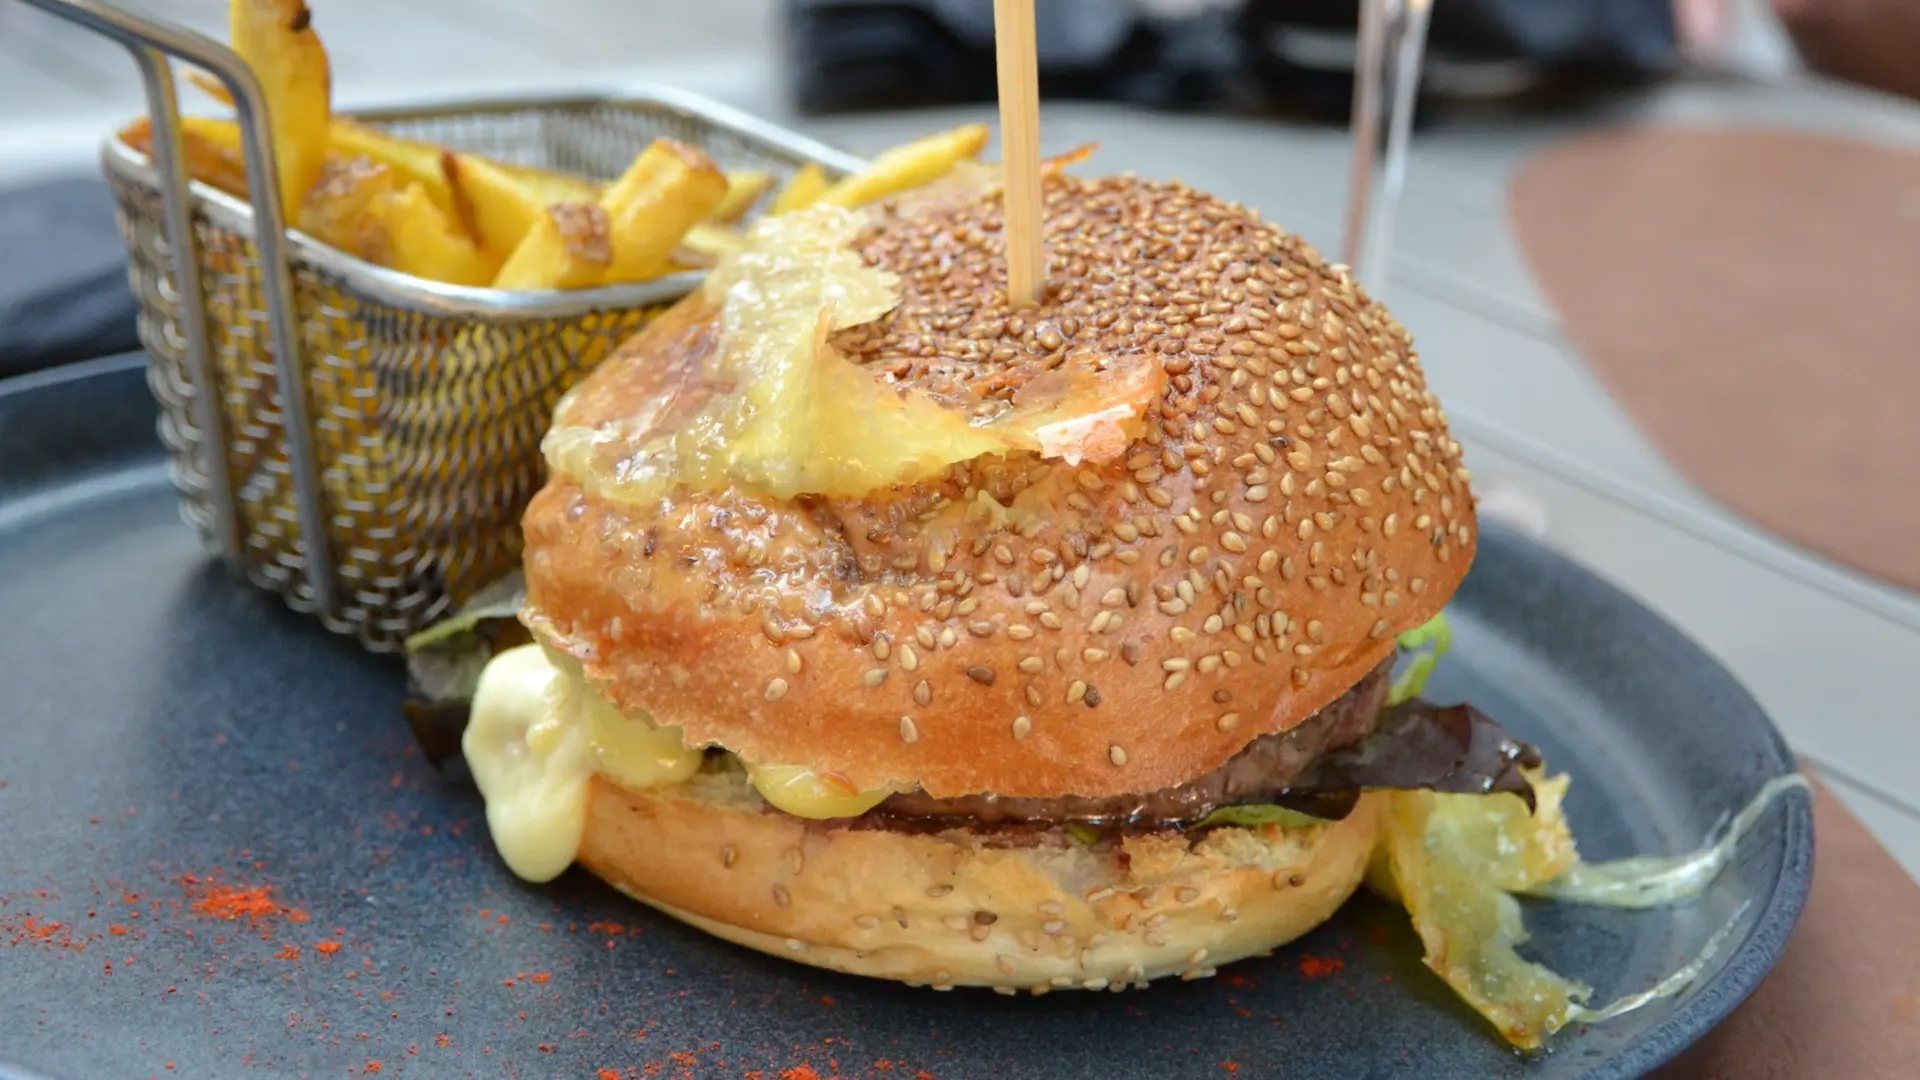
389, 485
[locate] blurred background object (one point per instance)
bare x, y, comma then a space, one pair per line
1292, 54
1874, 43
70, 301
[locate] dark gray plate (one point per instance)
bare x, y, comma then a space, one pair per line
163, 719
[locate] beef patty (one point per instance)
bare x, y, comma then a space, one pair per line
1263, 768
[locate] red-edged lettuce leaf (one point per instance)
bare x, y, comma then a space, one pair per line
1415, 746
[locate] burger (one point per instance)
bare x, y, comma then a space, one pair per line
882, 626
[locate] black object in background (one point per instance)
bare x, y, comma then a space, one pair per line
857, 54
63, 277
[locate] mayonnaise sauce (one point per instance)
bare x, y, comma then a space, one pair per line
539, 733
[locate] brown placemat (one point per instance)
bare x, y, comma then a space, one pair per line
1753, 300
1844, 1002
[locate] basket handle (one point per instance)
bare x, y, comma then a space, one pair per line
151, 42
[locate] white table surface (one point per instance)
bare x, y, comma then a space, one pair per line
1826, 651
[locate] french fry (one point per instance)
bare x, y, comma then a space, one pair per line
337, 206
706, 244
496, 205
909, 165
209, 86
413, 162
568, 247
212, 150
669, 188
500, 203
802, 190
276, 39
744, 188
548, 187
646, 170
406, 231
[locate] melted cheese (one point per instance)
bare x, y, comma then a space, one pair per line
538, 733
801, 418
808, 794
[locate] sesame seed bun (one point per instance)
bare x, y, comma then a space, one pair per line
1295, 501
955, 909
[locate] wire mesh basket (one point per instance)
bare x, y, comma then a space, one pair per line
389, 487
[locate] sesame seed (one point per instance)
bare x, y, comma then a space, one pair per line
1228, 722
727, 855
793, 662
938, 891
1187, 894
1117, 754
922, 693
867, 922
1053, 927
795, 944
1076, 692
1093, 656
980, 674
1021, 726
1020, 632
780, 897
874, 677
776, 689
955, 922
909, 731
1174, 680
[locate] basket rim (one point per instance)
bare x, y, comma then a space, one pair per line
123, 164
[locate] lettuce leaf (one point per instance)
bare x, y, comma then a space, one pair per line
1420, 664
444, 662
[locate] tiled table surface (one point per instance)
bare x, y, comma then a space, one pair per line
1826, 651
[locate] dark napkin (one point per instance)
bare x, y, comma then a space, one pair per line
63, 277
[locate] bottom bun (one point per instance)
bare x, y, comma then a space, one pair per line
1012, 911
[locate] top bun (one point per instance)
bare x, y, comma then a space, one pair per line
1295, 500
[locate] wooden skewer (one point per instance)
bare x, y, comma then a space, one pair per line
1020, 150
